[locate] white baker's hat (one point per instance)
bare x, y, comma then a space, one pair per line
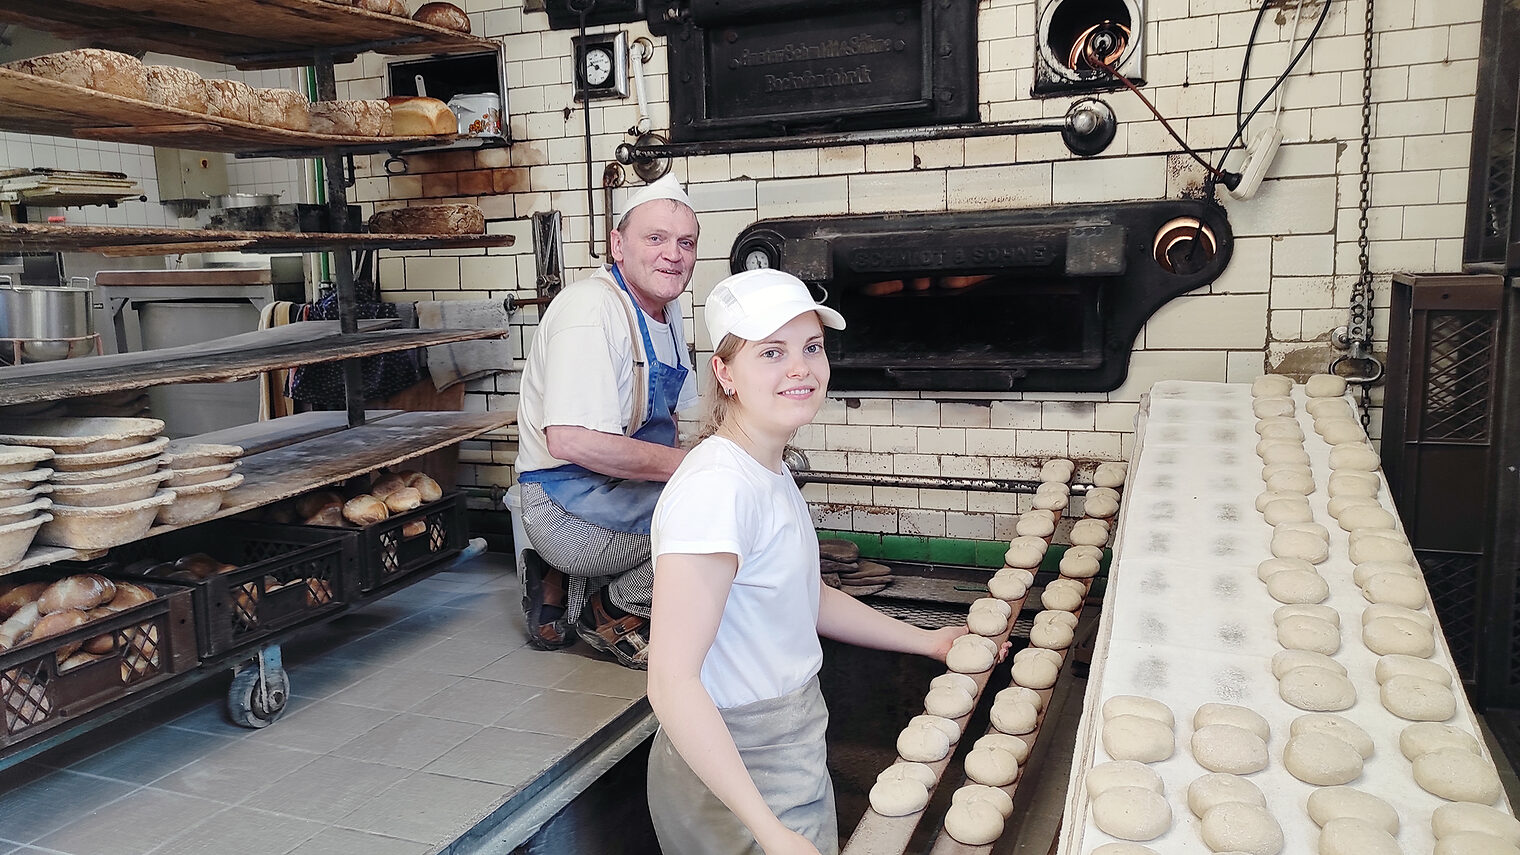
667, 187
756, 303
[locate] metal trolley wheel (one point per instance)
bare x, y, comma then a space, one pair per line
259, 690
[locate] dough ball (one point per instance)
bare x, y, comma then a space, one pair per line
1241, 827
1141, 706
1313, 528
993, 604
1298, 544
986, 622
1110, 475
1019, 694
1034, 526
1328, 408
1362, 573
1015, 717
1100, 507
991, 766
1051, 501
1284, 661
1396, 589
898, 797
1064, 599
1325, 386
1350, 482
1272, 566
1122, 773
1302, 632
1023, 574
1386, 635
1461, 817
1317, 690
1341, 431
969, 660
1396, 664
923, 743
948, 702
1271, 386
1227, 748
1280, 429
1457, 776
1267, 442
1080, 566
1340, 727
1418, 699
1092, 552
953, 680
1285, 453
1287, 511
1367, 516
1354, 455
1338, 505
1088, 536
1358, 535
1023, 556
974, 823
1298, 586
1321, 759
1356, 836
1217, 788
1383, 610
1058, 469
1290, 481
994, 796
1012, 744
1329, 803
1052, 488
1007, 587
1035, 673
1427, 736
1275, 405
1132, 737
1132, 813
1314, 610
1050, 635
1474, 843
1234, 714
1262, 422
948, 727
911, 771
1266, 497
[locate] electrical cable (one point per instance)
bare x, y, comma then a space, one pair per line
1119, 76
1240, 128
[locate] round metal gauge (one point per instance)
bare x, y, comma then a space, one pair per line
757, 259
598, 66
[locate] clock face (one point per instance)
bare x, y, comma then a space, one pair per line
757, 259
598, 66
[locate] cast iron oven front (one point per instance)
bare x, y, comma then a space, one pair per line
1047, 299
761, 68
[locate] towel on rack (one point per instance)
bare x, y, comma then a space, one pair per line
467, 360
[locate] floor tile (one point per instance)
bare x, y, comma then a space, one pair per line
134, 823
600, 677
439, 622
327, 789
150, 755
210, 717
47, 802
383, 649
564, 713
345, 841
322, 726
235, 772
498, 755
479, 701
242, 831
408, 740
394, 688
534, 667
458, 656
427, 808
323, 678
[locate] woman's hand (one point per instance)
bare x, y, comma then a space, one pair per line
787, 842
941, 639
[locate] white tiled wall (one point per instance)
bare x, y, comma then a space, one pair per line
1287, 287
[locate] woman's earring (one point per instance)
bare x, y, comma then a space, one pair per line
728, 391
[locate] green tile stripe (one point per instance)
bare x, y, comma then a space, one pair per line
944, 550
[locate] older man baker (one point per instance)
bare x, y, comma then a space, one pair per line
606, 373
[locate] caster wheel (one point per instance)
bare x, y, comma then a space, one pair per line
252, 705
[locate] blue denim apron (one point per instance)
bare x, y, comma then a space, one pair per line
620, 504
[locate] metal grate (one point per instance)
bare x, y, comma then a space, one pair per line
1453, 581
923, 615
1501, 184
1460, 357
23, 693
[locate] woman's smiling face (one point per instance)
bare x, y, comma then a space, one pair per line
780, 382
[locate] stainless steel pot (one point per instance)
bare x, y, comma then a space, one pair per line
46, 312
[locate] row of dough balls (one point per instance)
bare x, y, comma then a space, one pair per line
1128, 799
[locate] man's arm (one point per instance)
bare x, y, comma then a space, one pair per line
613, 454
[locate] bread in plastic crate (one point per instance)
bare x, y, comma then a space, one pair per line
408, 542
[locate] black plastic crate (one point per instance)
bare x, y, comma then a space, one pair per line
386, 554
286, 575
150, 642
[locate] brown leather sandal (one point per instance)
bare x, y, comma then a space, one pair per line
626, 637
538, 579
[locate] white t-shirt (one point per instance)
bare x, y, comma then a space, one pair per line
580, 368
723, 500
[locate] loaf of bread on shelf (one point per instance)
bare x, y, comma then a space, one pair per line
315, 501
172, 86
330, 514
429, 220
58, 623
127, 596
19, 625
352, 118
403, 500
230, 99
101, 70
281, 108
84, 591
384, 7
429, 488
420, 117
15, 595
445, 15
386, 484
365, 510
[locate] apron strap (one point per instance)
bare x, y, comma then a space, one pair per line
640, 365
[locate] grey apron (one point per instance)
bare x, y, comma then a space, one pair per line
781, 743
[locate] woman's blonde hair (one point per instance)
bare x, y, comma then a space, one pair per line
716, 404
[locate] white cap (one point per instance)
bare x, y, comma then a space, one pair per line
665, 188
756, 303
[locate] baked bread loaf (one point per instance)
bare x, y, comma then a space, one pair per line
311, 503
281, 108
92, 68
84, 591
172, 86
19, 625
365, 510
58, 623
414, 528
384, 7
429, 220
386, 484
403, 500
128, 595
330, 514
445, 15
352, 118
429, 488
230, 99
420, 117
16, 596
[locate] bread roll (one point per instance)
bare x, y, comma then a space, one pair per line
420, 117
429, 488
19, 625
281, 108
414, 528
403, 500
84, 591
365, 510
429, 220
330, 514
129, 595
92, 68
200, 564
384, 7
386, 484
352, 118
172, 86
445, 15
230, 99
19, 595
309, 504
58, 623
82, 657
105, 642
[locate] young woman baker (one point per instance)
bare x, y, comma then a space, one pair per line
738, 765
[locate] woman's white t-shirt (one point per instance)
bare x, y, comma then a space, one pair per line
723, 500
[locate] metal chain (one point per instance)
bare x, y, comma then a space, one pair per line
1359, 329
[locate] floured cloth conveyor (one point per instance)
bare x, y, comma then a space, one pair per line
1187, 622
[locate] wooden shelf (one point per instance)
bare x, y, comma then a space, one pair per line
232, 358
130, 240
245, 33
290, 470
